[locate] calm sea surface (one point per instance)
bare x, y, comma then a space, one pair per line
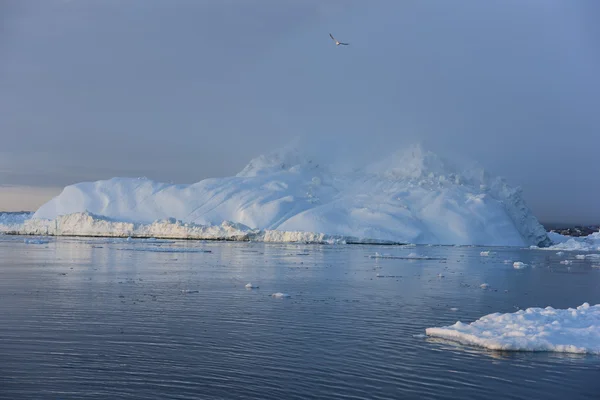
115, 319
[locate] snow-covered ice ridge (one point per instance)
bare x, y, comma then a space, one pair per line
412, 196
534, 329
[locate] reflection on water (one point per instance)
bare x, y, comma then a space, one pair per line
95, 319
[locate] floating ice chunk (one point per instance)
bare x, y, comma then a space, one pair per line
166, 249
36, 241
534, 329
580, 256
508, 261
560, 253
250, 286
484, 286
411, 256
484, 253
566, 262
519, 265
440, 275
454, 309
280, 295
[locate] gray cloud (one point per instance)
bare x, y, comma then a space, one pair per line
180, 91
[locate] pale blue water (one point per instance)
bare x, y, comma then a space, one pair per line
93, 319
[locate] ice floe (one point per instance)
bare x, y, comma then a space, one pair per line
572, 330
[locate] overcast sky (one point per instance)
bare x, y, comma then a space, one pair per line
180, 90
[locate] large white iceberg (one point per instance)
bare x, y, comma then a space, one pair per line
411, 197
573, 330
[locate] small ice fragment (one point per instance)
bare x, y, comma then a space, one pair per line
519, 265
280, 295
484, 253
250, 286
484, 286
508, 261
560, 253
440, 275
454, 309
566, 262
36, 241
580, 256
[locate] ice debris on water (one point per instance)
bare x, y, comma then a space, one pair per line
250, 286
484, 253
572, 330
280, 295
484, 286
519, 265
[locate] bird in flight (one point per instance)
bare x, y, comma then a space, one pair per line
337, 43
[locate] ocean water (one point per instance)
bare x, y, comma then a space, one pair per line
117, 319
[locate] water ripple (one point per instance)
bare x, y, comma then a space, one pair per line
78, 321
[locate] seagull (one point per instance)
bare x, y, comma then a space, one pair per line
336, 42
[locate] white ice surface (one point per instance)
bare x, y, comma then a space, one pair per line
573, 330
411, 197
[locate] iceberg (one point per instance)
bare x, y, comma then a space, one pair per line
572, 330
582, 243
413, 196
